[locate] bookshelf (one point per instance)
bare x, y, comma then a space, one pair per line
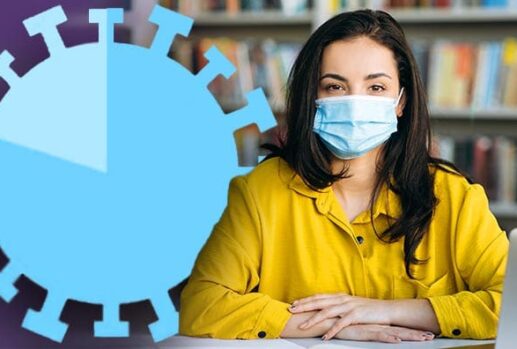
499, 114
453, 16
425, 25
265, 18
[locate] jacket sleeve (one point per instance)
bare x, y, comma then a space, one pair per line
218, 300
481, 250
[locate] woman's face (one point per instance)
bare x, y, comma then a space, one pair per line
359, 66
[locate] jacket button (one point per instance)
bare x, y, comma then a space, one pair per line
360, 240
456, 332
262, 334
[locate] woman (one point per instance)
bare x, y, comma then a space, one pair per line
354, 230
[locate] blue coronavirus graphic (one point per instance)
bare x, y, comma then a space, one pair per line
115, 164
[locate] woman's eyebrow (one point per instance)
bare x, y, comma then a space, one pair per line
334, 76
376, 75
343, 79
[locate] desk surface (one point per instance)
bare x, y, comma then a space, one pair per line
302, 343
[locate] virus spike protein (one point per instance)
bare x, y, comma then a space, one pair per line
106, 18
46, 322
8, 277
217, 64
170, 24
256, 111
6, 72
111, 326
163, 306
46, 23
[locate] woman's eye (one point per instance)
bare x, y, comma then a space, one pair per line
377, 88
334, 87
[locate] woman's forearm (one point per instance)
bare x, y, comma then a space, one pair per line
414, 313
291, 328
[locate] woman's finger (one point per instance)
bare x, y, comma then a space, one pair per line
319, 303
408, 334
386, 337
382, 333
338, 326
367, 333
326, 313
317, 297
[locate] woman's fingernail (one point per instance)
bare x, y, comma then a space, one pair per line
295, 302
324, 337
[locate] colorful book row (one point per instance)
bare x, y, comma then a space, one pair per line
491, 161
481, 76
194, 8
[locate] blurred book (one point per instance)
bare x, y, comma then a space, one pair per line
481, 76
450, 73
334, 6
491, 161
196, 7
260, 64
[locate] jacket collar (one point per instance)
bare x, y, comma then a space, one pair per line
297, 184
387, 202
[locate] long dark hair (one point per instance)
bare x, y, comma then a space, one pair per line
405, 157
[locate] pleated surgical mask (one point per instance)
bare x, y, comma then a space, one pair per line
350, 126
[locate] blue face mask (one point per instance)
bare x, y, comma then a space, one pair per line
350, 126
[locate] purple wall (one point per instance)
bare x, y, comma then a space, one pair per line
29, 51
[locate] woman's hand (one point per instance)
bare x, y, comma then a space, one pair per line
351, 310
383, 333
414, 313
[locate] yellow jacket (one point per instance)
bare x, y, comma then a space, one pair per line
278, 241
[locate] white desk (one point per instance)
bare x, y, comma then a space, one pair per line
178, 342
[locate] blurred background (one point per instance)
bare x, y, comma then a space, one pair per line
466, 52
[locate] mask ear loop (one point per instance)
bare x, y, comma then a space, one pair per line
400, 95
